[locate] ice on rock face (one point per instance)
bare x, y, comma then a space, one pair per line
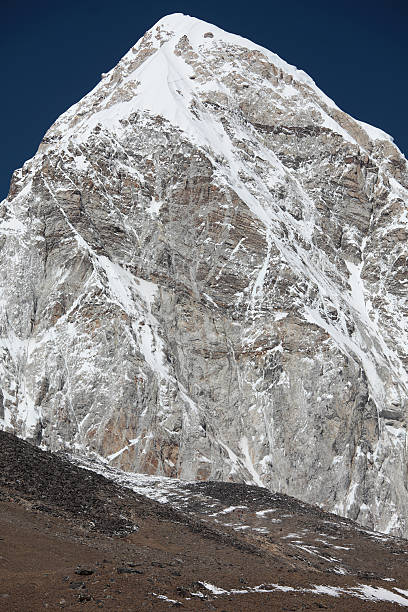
203, 276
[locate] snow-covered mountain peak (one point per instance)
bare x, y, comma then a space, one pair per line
209, 259
182, 63
203, 36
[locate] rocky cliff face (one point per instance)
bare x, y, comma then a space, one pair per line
203, 275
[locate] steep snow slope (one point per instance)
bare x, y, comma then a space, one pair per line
203, 275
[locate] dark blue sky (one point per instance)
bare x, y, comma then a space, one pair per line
54, 52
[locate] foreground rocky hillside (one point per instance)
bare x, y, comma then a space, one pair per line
71, 538
203, 276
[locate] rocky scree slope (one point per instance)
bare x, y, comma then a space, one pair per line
203, 276
70, 537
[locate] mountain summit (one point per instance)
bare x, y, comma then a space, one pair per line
203, 275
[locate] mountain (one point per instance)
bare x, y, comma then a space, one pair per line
203, 275
71, 537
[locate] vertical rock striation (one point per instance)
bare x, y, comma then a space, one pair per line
203, 274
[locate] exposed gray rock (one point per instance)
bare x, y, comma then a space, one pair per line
203, 274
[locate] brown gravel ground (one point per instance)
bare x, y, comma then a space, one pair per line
58, 522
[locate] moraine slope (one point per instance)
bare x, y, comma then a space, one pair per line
70, 537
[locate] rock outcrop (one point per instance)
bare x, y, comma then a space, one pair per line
203, 274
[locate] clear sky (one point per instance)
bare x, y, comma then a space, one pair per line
54, 52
